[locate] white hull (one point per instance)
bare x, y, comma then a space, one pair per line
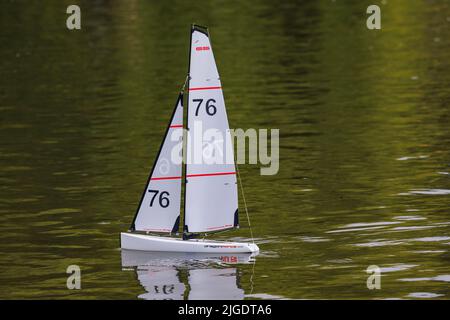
142, 242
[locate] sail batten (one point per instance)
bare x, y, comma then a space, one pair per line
165, 178
211, 199
205, 88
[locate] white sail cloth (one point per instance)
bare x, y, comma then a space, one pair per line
159, 209
211, 189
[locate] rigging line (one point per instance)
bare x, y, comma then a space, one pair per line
245, 202
185, 83
251, 277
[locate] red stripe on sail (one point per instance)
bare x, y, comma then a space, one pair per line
195, 175
209, 174
204, 88
165, 178
202, 48
176, 126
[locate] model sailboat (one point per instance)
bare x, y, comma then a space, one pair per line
210, 193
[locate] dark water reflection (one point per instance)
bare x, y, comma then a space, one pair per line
364, 137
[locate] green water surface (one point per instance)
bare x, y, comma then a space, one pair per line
364, 121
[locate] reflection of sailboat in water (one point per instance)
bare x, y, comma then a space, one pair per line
175, 276
161, 283
214, 284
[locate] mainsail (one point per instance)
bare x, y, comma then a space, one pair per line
211, 201
159, 209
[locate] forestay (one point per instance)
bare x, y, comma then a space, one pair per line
159, 210
211, 189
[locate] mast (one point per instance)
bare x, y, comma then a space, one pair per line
185, 227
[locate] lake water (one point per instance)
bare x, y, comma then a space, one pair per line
364, 121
